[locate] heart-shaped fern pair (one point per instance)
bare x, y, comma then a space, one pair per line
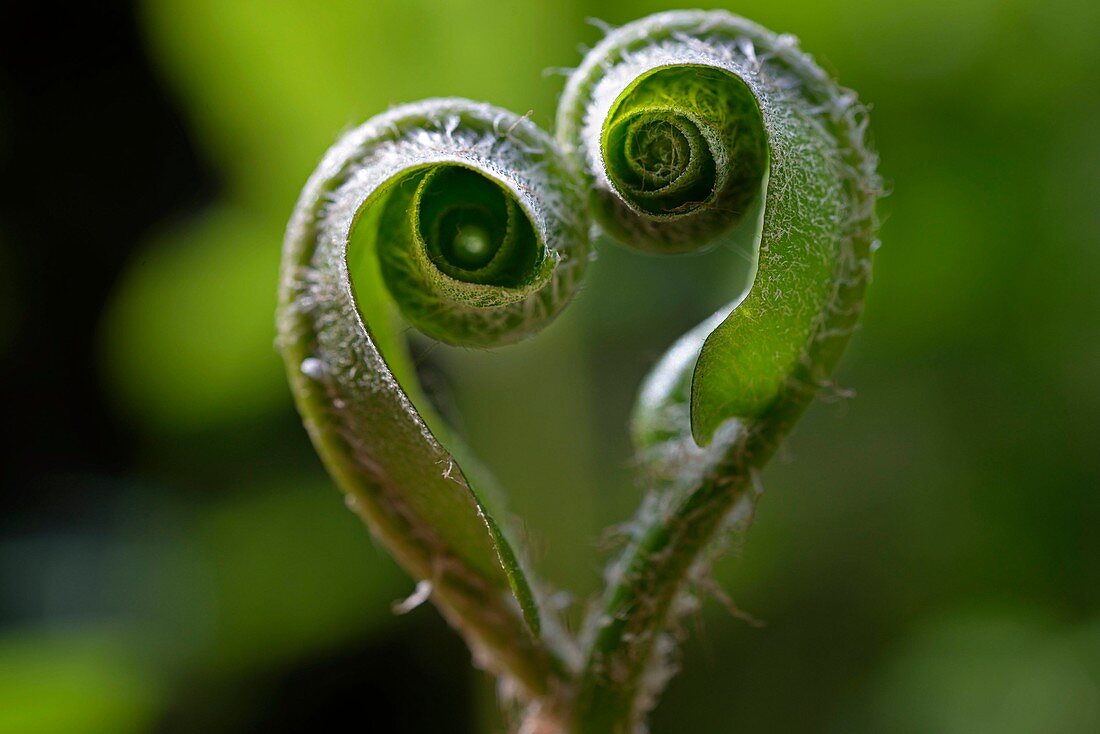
677, 132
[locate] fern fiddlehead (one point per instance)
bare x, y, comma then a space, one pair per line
687, 131
464, 219
693, 129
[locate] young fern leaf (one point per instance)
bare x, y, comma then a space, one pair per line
696, 129
465, 220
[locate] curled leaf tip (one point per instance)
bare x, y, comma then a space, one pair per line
700, 128
467, 221
682, 157
697, 129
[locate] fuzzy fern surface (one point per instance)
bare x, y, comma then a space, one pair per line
468, 233
677, 133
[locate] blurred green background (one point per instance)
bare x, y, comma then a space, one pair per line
173, 558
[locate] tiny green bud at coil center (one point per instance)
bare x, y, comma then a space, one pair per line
658, 152
472, 247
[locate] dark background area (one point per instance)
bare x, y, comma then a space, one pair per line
173, 558
95, 154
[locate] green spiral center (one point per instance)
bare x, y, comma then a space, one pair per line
685, 150
453, 244
662, 160
472, 229
657, 151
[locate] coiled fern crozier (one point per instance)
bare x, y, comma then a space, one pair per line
677, 133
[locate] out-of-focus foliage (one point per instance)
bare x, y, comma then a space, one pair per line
927, 560
185, 346
76, 681
988, 671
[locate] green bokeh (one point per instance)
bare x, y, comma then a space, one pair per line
80, 680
